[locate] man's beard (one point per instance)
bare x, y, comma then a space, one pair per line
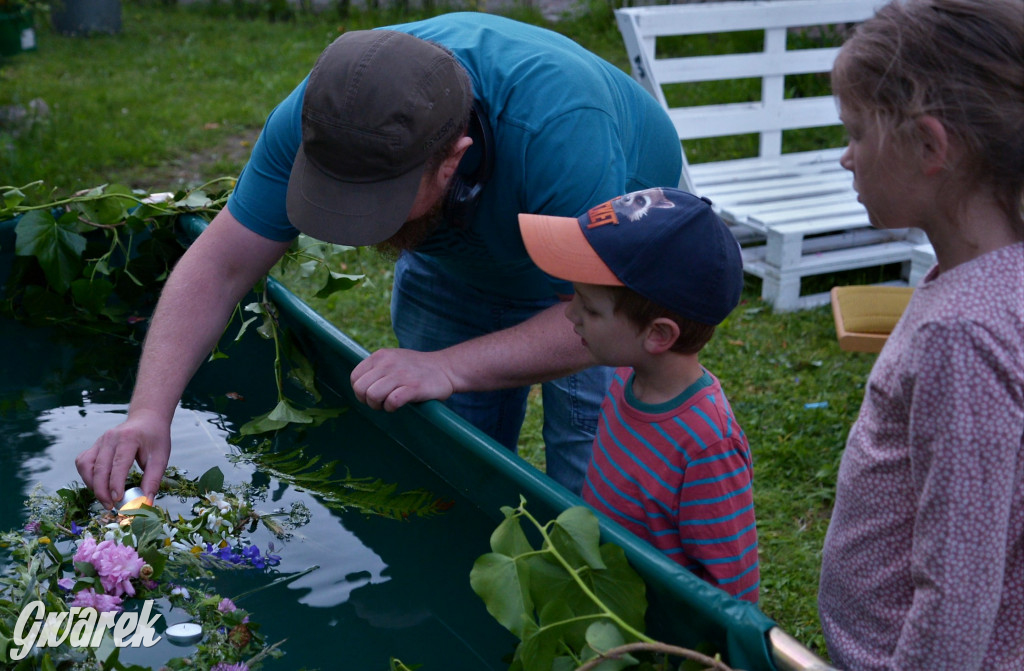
412, 233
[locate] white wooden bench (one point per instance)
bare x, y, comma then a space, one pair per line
796, 213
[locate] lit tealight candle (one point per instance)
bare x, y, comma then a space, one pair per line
184, 633
133, 499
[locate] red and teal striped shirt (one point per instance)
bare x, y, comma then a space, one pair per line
679, 475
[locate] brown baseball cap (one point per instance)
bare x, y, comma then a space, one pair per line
377, 105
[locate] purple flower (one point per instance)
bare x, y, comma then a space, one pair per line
66, 583
247, 555
226, 606
224, 666
32, 527
104, 603
76, 530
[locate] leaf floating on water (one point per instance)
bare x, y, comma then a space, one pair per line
366, 494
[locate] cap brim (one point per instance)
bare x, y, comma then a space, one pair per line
559, 248
348, 213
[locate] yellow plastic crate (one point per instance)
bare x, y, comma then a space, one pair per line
865, 315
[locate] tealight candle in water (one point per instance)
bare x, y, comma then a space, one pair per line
133, 499
184, 633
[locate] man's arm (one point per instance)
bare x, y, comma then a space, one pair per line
213, 275
542, 348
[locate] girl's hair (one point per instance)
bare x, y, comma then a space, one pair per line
960, 61
641, 311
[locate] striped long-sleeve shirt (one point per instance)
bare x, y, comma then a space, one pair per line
679, 475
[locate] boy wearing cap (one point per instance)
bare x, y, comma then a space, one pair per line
655, 271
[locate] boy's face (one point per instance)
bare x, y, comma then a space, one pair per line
612, 339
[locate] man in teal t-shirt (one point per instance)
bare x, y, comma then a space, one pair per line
429, 139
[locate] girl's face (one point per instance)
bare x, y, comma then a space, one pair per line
612, 339
882, 175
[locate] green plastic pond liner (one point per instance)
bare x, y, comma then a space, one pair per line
683, 609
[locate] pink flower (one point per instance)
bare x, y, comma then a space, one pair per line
224, 666
104, 603
86, 549
226, 606
66, 583
117, 565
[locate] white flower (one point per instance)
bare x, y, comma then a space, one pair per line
168, 534
114, 532
182, 592
192, 544
219, 500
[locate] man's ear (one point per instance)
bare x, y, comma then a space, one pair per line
662, 333
451, 164
934, 145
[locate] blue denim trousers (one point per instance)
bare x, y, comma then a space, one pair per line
431, 310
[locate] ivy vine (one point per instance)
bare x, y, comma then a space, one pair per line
97, 260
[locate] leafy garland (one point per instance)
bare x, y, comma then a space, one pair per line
573, 602
98, 259
73, 553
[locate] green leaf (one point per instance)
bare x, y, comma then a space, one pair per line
503, 584
619, 587
509, 539
283, 414
338, 282
13, 197
539, 649
601, 637
56, 245
301, 371
211, 481
91, 295
576, 534
108, 207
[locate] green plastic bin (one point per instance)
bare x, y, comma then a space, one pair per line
17, 32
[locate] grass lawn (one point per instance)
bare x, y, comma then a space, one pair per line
178, 97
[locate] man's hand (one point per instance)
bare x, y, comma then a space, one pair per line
104, 467
390, 378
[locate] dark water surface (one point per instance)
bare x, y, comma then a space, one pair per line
385, 588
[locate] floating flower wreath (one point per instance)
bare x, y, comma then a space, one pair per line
83, 564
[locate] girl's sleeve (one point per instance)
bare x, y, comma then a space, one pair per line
966, 423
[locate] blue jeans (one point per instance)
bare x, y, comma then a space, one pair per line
431, 310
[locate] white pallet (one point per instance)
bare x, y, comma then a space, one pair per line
796, 214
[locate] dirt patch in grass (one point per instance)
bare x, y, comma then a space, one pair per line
223, 157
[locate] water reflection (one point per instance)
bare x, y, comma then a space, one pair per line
200, 443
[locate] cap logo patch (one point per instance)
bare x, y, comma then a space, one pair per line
633, 206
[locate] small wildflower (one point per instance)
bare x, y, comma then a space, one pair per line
180, 591
226, 606
32, 527
224, 666
45, 540
219, 501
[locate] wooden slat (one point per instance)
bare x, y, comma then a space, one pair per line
742, 66
720, 17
